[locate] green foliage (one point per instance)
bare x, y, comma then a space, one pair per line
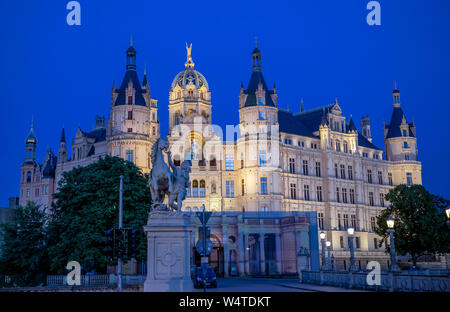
23, 247
420, 221
87, 204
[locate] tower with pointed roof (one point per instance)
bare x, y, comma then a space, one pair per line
133, 123
62, 151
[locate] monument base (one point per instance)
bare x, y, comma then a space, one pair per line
168, 252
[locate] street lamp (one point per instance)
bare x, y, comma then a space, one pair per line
322, 241
351, 232
390, 223
447, 211
329, 249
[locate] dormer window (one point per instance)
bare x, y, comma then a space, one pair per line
130, 100
260, 101
404, 132
260, 116
405, 144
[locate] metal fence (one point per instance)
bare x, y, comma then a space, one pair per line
97, 280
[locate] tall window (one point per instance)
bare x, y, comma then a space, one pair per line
369, 175
318, 174
381, 199
263, 182
305, 167
229, 162
350, 172
372, 223
339, 221
213, 188
342, 171
353, 220
336, 170
345, 147
390, 178
195, 188
320, 218
243, 187
262, 158
338, 198
352, 196
130, 155
306, 191
338, 146
345, 220
409, 178
291, 165
130, 100
375, 243
202, 188
371, 203
341, 241
293, 189
344, 195
229, 189
130, 115
29, 177
357, 243
319, 193
380, 177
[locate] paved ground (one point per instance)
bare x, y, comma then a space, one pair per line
268, 285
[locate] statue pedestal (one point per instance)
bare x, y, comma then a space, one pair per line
168, 252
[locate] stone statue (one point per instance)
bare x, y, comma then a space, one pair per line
162, 180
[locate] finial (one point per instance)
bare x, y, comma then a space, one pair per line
32, 121
256, 42
395, 84
131, 40
189, 62
145, 69
302, 107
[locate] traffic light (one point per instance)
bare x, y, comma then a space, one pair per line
109, 243
132, 242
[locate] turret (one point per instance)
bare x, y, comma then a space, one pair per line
62, 151
365, 128
30, 145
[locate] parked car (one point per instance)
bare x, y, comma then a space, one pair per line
204, 275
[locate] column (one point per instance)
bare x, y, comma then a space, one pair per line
226, 252
246, 255
262, 254
278, 252
241, 254
298, 244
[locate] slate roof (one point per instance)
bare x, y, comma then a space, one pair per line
98, 134
255, 79
50, 166
308, 122
130, 75
396, 120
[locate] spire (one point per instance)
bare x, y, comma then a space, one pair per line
63, 136
396, 96
131, 56
144, 80
351, 125
31, 138
189, 63
256, 57
302, 107
324, 121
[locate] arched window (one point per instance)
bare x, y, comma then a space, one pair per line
195, 209
195, 188
188, 209
202, 188
29, 177
213, 187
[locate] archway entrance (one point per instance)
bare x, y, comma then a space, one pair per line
215, 259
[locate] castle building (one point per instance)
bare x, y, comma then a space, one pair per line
280, 180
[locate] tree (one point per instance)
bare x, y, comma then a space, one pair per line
420, 221
23, 247
87, 204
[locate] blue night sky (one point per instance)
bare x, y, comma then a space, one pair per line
318, 50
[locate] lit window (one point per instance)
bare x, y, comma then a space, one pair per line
229, 162
229, 189
409, 178
263, 182
130, 155
262, 158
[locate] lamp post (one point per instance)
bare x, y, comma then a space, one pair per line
329, 250
322, 241
390, 223
447, 211
351, 232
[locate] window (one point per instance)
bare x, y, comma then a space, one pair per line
153, 131
345, 221
404, 132
336, 170
405, 144
319, 193
352, 196
262, 158
350, 172
130, 130
371, 203
318, 174
339, 221
365, 154
129, 155
260, 116
291, 165
46, 189
345, 147
229, 162
344, 195
406, 157
306, 191
380, 177
263, 182
264, 209
293, 190
260, 101
381, 199
338, 146
36, 192
305, 167
29, 177
338, 198
375, 243
342, 171
130, 100
213, 188
202, 188
372, 223
357, 242
229, 189
130, 115
390, 179
195, 188
369, 175
341, 241
409, 178
320, 220
28, 193
243, 187
353, 220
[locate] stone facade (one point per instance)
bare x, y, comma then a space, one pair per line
313, 161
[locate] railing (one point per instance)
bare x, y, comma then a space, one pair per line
389, 281
97, 280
